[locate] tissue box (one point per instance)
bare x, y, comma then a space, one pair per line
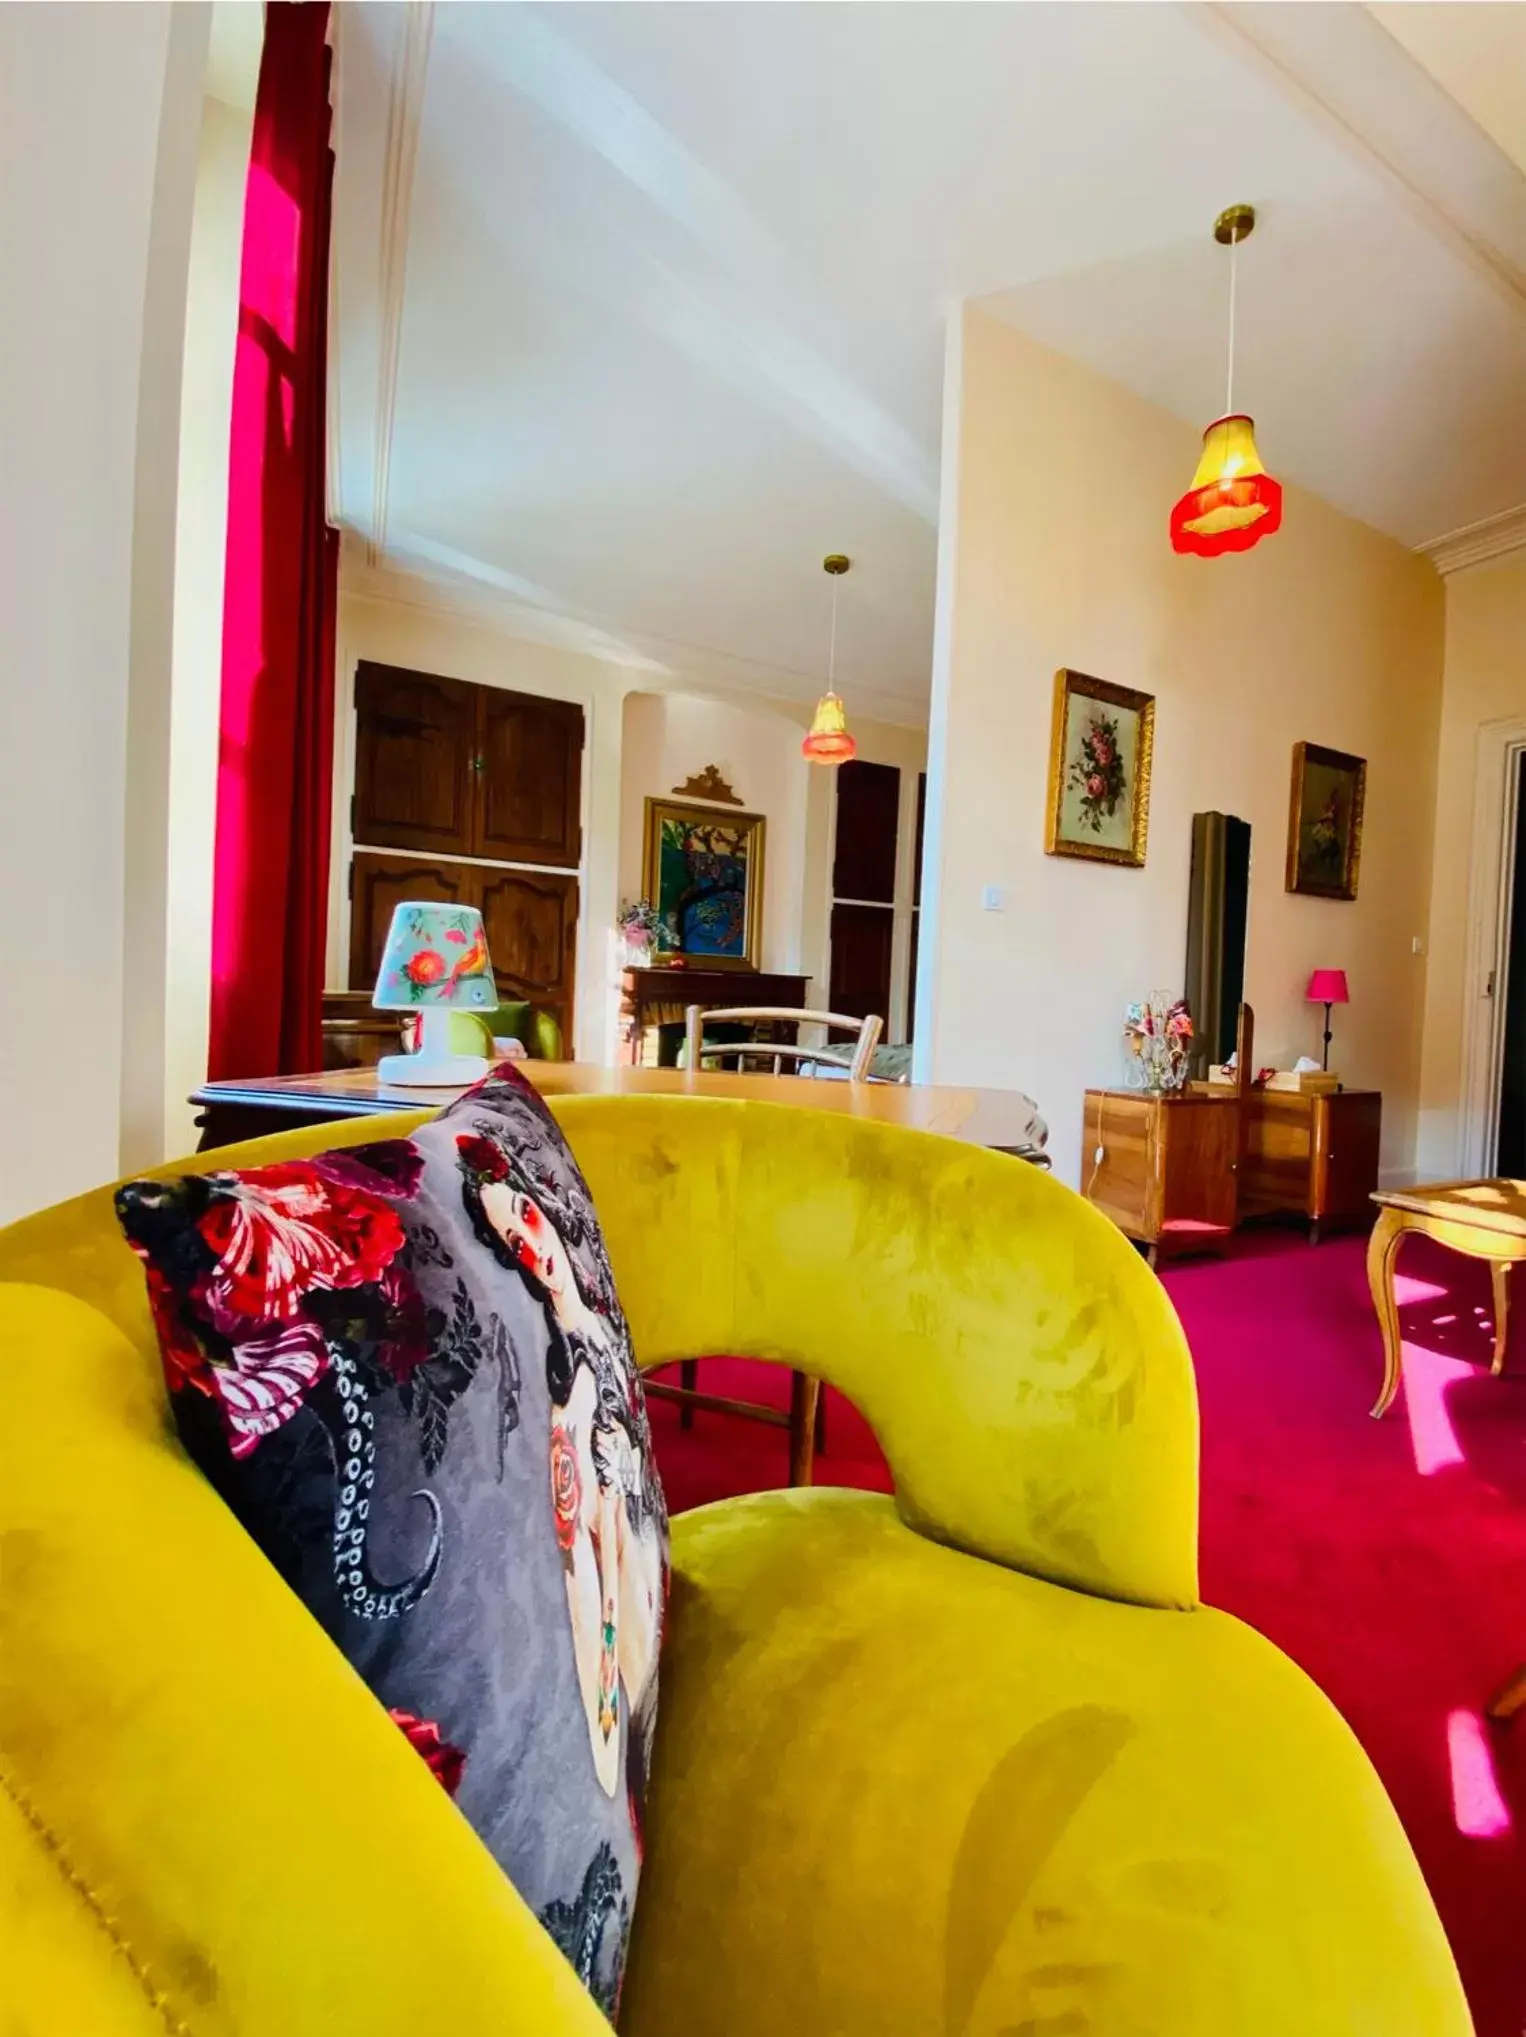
1308, 1082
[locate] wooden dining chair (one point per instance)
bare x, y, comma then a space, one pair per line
806, 1419
787, 1058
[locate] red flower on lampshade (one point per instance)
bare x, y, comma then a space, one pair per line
424, 967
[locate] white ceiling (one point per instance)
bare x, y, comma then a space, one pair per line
640, 306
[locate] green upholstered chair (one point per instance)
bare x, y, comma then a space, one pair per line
473, 1032
972, 1762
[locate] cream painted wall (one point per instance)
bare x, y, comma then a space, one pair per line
211, 328
670, 736
94, 255
1485, 682
1054, 551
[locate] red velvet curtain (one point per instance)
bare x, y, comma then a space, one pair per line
270, 880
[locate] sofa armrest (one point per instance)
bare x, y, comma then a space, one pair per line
217, 1798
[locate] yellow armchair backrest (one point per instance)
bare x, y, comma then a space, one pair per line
1025, 1375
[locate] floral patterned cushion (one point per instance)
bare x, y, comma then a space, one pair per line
405, 1368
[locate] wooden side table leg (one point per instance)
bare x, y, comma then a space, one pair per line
1499, 1271
1382, 1251
1507, 1702
804, 1393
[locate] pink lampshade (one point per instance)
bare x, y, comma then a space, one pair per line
1328, 986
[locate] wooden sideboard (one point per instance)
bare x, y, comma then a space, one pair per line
1180, 1172
1164, 1168
653, 997
1313, 1156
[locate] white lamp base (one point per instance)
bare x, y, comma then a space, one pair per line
433, 1065
429, 1071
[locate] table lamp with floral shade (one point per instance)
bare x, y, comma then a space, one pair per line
435, 962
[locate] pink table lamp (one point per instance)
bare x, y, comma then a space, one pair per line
1327, 987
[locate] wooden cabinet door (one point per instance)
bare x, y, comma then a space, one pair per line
381, 882
1200, 1188
415, 741
1349, 1127
529, 779
531, 921
1278, 1171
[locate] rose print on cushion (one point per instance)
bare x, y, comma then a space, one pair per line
406, 1368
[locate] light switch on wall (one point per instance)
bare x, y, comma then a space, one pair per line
993, 898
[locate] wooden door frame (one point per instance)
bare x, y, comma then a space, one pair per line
1485, 984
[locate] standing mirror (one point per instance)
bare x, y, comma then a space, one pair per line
1216, 918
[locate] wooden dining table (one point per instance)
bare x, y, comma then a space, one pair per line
1000, 1118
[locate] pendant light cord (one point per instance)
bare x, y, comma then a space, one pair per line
832, 643
1229, 387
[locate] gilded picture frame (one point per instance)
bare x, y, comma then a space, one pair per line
1325, 807
702, 868
1101, 750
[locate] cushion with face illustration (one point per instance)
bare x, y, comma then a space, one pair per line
405, 1368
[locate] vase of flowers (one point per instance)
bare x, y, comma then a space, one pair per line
639, 927
1157, 1031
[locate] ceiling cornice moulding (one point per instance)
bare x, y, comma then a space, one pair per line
404, 112
694, 668
1477, 543
1450, 174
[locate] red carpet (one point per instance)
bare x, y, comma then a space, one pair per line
1388, 1558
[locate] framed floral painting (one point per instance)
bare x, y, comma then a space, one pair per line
1325, 821
1100, 753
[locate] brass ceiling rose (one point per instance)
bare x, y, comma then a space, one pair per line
836, 562
1234, 224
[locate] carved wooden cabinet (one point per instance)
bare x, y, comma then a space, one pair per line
1313, 1156
445, 767
1164, 1168
446, 771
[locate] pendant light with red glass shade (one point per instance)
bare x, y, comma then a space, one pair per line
1233, 502
830, 741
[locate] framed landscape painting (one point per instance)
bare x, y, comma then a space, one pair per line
702, 868
1325, 821
1101, 748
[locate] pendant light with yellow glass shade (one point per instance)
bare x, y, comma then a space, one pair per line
830, 741
1233, 502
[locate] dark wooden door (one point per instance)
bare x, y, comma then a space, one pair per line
863, 890
861, 940
530, 775
379, 883
531, 920
868, 820
415, 742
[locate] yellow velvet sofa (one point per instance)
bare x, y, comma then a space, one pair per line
972, 1763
